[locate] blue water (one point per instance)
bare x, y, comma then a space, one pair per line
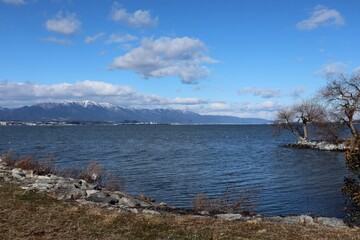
174, 163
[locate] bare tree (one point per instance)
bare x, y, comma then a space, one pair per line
309, 111
286, 120
343, 93
297, 118
330, 128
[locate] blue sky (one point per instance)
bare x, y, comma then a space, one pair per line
244, 58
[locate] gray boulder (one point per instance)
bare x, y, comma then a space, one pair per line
102, 197
331, 222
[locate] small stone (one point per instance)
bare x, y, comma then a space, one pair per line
132, 210
204, 213
102, 197
162, 204
254, 220
306, 219
128, 202
89, 192
18, 173
229, 216
150, 212
331, 222
291, 219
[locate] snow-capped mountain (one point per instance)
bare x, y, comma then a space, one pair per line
92, 111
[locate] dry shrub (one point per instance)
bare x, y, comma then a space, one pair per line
228, 202
8, 158
201, 202
69, 172
44, 167
113, 183
93, 173
352, 185
25, 163
145, 198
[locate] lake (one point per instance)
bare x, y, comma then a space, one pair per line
174, 163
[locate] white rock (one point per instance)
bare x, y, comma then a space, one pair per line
229, 216
150, 212
91, 191
132, 210
18, 173
331, 222
127, 202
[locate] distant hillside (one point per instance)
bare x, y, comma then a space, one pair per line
91, 111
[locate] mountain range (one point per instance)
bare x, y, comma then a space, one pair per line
106, 112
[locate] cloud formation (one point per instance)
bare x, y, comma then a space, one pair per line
266, 109
19, 94
61, 41
297, 92
115, 38
331, 69
14, 2
182, 57
66, 24
137, 19
356, 70
321, 16
261, 92
93, 38
30, 93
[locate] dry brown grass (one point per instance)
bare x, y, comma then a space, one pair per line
229, 202
28, 163
93, 173
35, 216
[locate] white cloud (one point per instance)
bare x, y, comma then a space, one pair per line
14, 2
357, 70
321, 16
115, 38
220, 106
31, 93
297, 92
64, 24
267, 109
188, 101
261, 92
270, 92
19, 94
61, 41
182, 57
94, 38
330, 69
137, 19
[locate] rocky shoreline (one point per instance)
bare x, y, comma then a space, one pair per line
319, 145
80, 192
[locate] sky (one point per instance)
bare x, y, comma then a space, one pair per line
244, 58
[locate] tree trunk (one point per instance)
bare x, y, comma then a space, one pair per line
305, 131
354, 132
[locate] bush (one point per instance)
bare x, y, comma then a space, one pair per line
113, 183
69, 173
352, 186
44, 167
228, 202
25, 163
93, 173
8, 158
